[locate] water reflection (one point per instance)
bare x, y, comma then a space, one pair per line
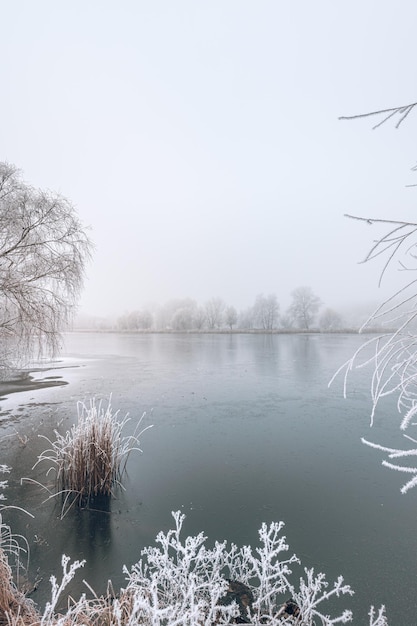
94, 526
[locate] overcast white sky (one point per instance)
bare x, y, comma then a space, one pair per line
200, 139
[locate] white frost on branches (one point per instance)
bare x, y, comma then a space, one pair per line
182, 582
311, 594
57, 589
43, 252
377, 619
393, 354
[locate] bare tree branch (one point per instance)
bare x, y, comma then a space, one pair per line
401, 111
393, 355
394, 240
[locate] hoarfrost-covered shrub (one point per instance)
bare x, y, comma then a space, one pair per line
182, 582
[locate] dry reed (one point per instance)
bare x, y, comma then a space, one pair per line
91, 458
15, 608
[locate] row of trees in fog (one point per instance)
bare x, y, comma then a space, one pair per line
305, 312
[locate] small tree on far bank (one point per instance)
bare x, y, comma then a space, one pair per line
304, 307
214, 309
230, 317
43, 252
266, 310
199, 318
286, 322
135, 320
330, 320
183, 319
247, 319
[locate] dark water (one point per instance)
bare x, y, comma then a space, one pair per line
245, 431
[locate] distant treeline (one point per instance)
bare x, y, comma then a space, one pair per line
305, 313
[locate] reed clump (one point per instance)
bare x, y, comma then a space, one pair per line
15, 607
91, 457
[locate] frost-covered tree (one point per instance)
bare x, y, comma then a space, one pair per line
214, 309
230, 317
135, 320
304, 307
330, 320
177, 313
43, 252
266, 310
122, 322
183, 319
246, 318
145, 319
286, 321
199, 318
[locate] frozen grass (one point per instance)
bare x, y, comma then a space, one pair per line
91, 458
15, 547
181, 582
15, 608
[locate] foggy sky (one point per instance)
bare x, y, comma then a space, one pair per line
200, 141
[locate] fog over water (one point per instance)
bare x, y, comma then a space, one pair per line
201, 141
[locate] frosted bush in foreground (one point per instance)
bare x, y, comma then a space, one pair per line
181, 582
184, 582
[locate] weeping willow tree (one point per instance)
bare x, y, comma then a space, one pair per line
43, 252
394, 354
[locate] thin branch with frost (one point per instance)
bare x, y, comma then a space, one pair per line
402, 112
394, 359
394, 354
58, 589
395, 453
392, 240
377, 619
313, 591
